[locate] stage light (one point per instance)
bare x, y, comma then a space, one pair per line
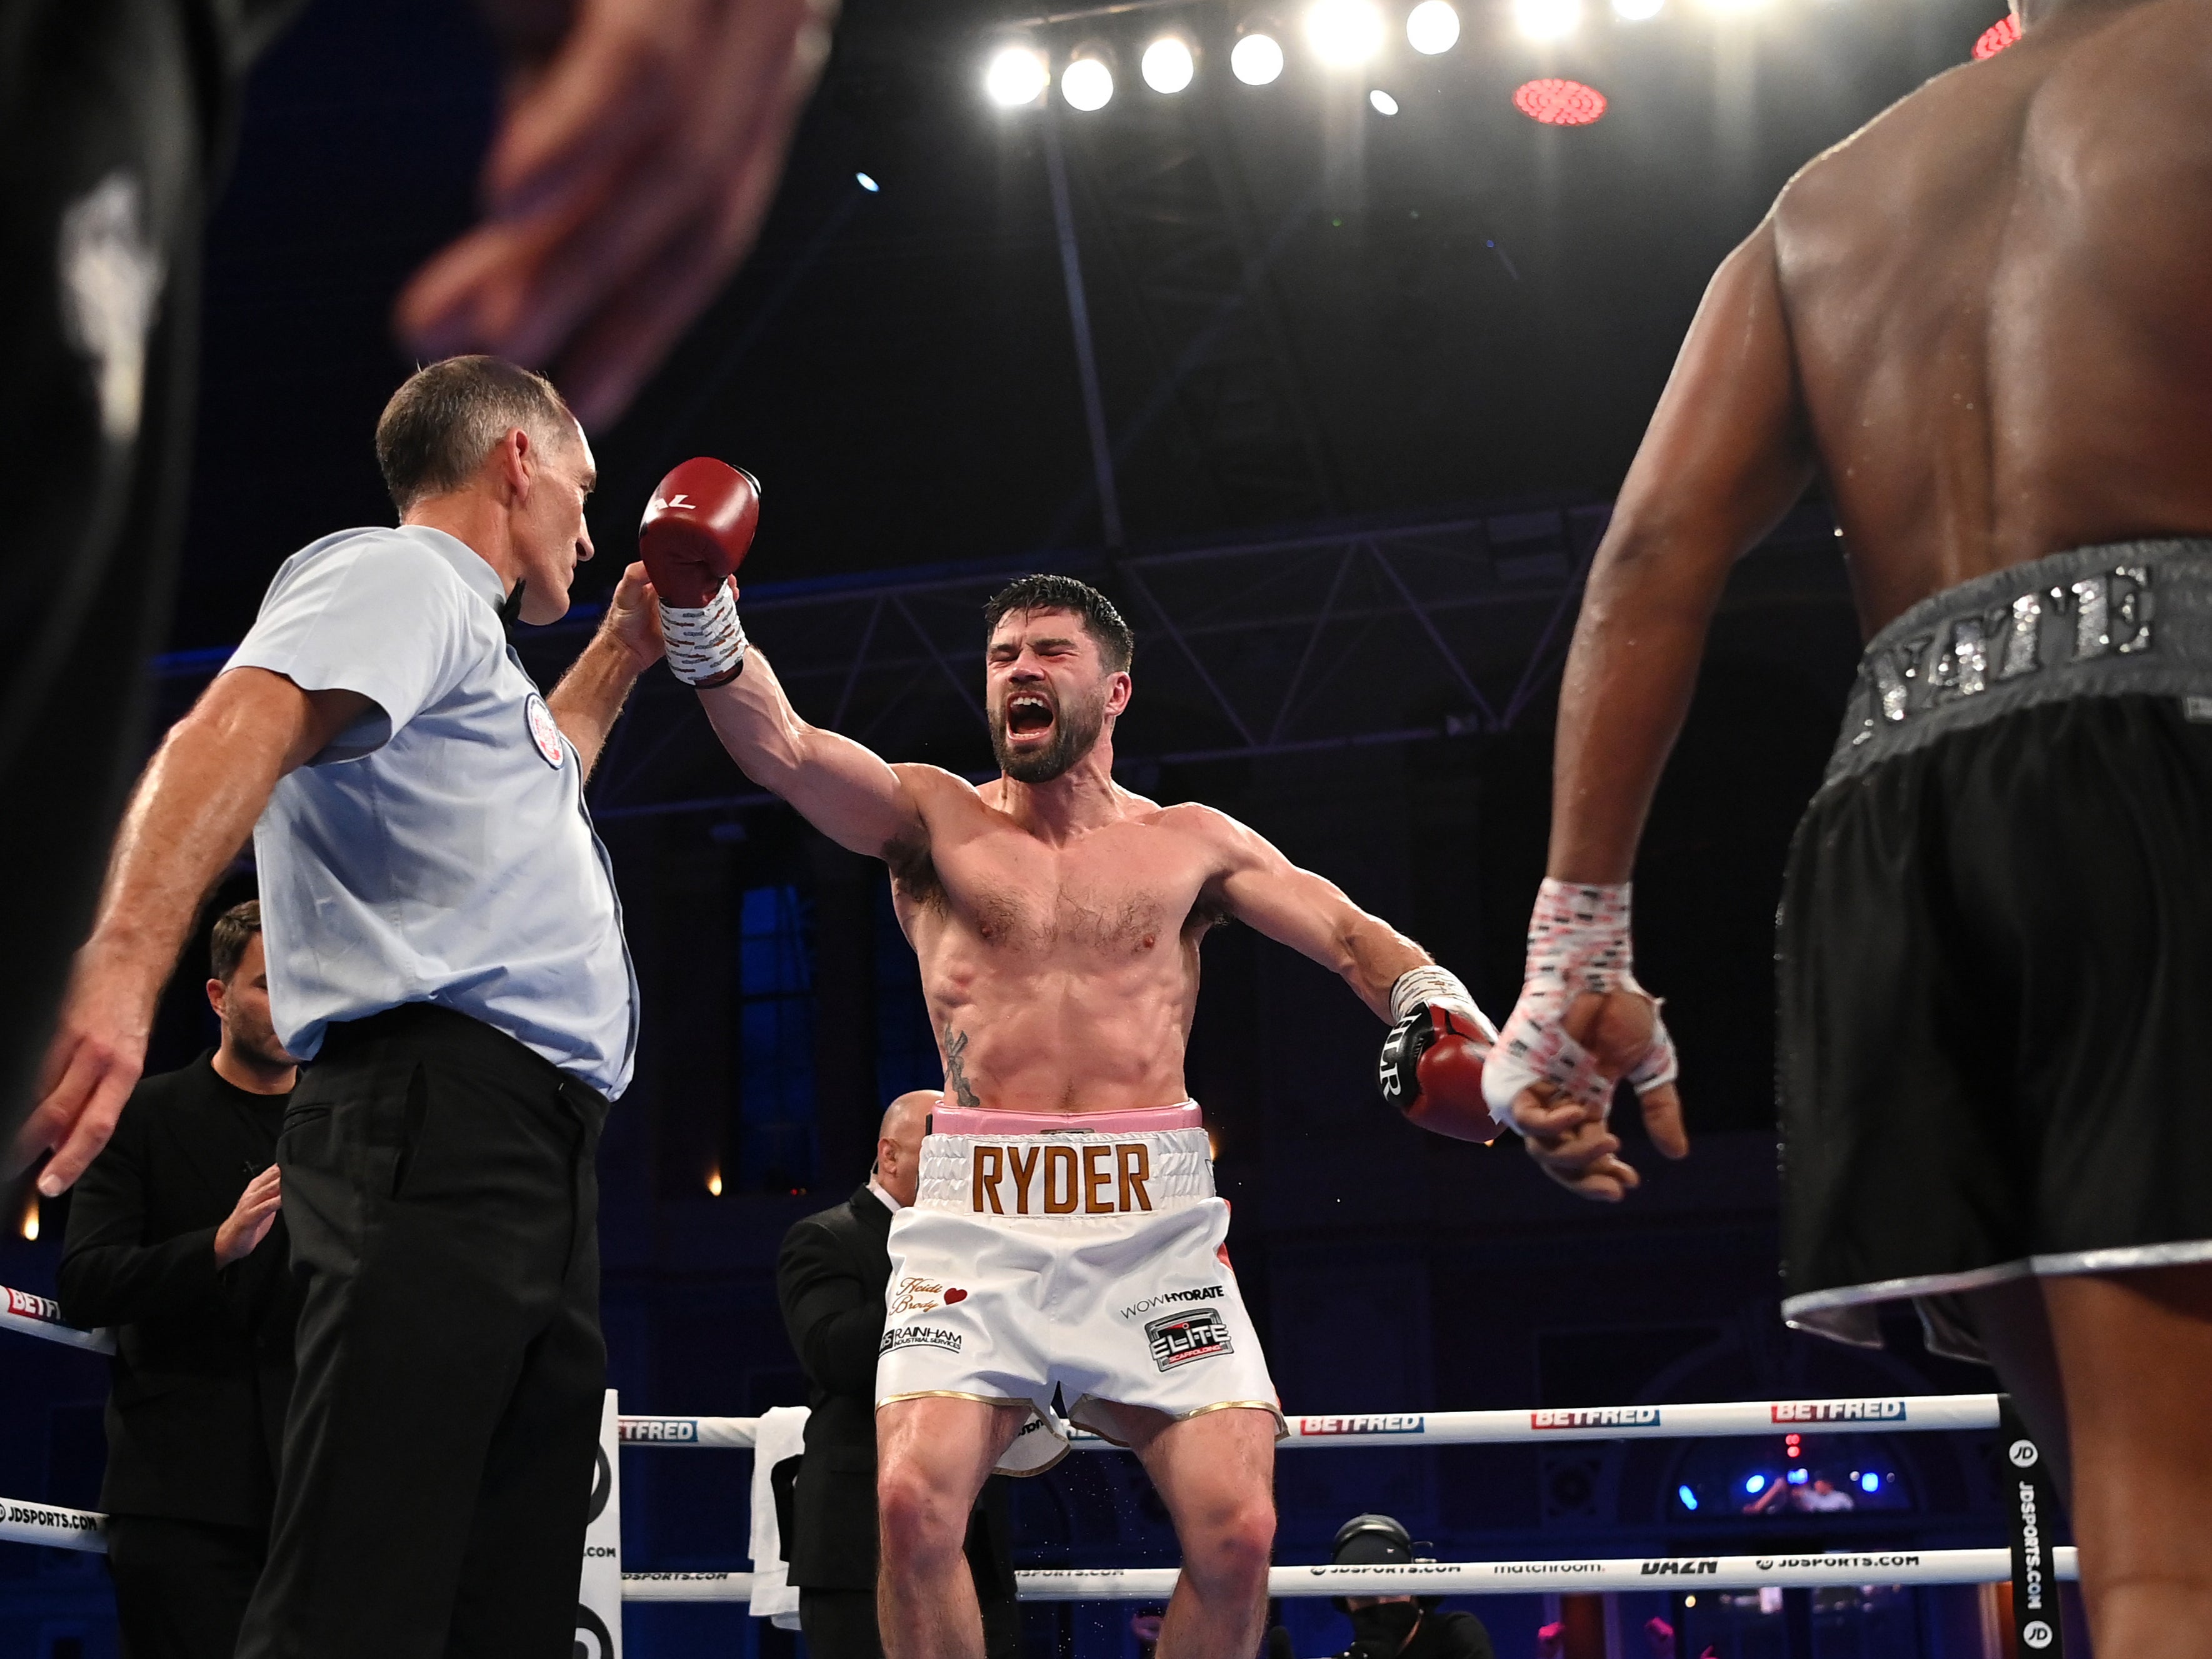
1636, 11
1870, 1481
31, 1220
1167, 65
1016, 76
714, 1184
1383, 102
1689, 1499
867, 183
1087, 82
1799, 1476
1733, 8
1755, 1485
1995, 38
1433, 27
1548, 20
1558, 103
1256, 59
1344, 34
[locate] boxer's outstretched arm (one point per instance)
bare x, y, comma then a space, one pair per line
193, 808
850, 793
1726, 455
1310, 914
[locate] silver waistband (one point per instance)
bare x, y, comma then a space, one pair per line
2103, 622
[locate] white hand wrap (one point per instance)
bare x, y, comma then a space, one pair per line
1439, 987
706, 646
1578, 941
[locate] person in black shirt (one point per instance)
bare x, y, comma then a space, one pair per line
830, 1279
1400, 1627
175, 1239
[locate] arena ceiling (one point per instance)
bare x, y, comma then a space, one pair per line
1301, 309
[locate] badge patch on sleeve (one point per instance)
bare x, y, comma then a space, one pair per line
544, 731
1182, 1339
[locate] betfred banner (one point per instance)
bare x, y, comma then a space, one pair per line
599, 1598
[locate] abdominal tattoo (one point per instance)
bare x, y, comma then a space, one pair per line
955, 1076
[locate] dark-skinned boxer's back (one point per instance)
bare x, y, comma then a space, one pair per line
1995, 293
1993, 297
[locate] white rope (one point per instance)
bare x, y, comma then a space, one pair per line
1900, 1413
41, 1316
53, 1526
1717, 1572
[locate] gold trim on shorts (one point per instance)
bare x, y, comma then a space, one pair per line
1282, 1424
958, 1393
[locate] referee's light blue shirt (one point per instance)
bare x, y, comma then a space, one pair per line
439, 850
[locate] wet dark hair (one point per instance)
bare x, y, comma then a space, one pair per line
227, 942
441, 423
1116, 644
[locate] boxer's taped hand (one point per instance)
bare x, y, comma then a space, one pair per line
1440, 988
1545, 1073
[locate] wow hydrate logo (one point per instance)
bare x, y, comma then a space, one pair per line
1597, 1417
1838, 1411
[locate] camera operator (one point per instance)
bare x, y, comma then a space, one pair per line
1400, 1627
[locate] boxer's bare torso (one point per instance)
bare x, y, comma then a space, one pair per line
1060, 977
1997, 293
1057, 922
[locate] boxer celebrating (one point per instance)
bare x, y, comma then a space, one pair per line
1981, 321
1064, 1231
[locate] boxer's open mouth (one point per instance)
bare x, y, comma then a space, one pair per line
1027, 716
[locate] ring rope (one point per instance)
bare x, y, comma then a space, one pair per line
1906, 1413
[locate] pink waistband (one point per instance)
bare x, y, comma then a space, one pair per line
1147, 1120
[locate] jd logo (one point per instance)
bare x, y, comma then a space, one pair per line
2036, 1633
2022, 1453
593, 1639
603, 1484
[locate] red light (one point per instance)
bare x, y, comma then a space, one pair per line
1796, 1451
1558, 103
1789, 1440
1995, 38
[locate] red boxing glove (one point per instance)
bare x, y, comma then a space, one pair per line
1432, 1070
696, 531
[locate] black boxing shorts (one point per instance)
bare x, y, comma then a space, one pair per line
1995, 945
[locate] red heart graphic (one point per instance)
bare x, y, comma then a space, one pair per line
955, 1294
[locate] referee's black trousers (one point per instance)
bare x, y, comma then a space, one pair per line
440, 1190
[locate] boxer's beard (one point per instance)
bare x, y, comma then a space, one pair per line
1075, 728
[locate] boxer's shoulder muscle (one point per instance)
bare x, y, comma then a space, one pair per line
2024, 236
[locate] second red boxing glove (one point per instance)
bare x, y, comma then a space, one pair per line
696, 531
1432, 1070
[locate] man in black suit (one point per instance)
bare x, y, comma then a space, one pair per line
174, 1239
830, 1279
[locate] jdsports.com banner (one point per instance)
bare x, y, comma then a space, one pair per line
599, 1602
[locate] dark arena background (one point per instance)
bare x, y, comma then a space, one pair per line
1328, 380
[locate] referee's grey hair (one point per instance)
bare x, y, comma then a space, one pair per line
438, 427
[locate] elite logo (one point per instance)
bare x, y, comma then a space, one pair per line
1184, 1338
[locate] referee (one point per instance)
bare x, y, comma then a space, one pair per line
445, 948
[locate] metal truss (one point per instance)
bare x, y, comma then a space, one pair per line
1181, 292
1318, 638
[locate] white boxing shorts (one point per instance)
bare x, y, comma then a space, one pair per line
1088, 1257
